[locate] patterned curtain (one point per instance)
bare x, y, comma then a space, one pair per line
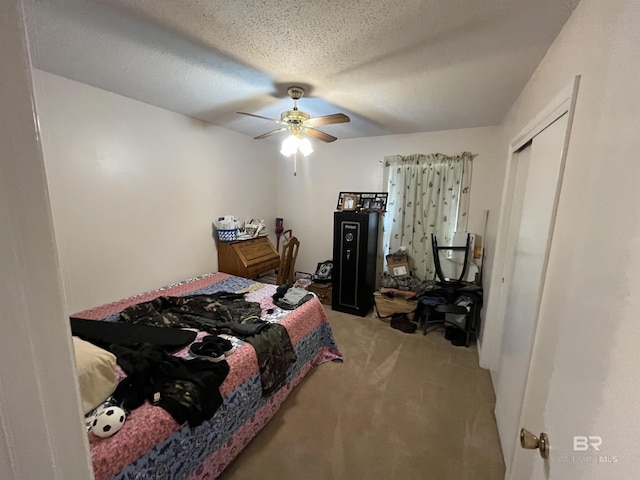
427, 194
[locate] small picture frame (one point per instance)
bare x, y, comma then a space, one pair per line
364, 202
349, 202
374, 201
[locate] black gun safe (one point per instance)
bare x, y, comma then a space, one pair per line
355, 245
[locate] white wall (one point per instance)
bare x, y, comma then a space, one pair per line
592, 292
134, 189
43, 436
308, 200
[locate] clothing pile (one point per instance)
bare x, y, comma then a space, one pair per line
223, 312
290, 298
188, 389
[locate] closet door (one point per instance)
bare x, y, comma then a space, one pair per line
531, 225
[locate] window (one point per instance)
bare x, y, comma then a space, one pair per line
428, 194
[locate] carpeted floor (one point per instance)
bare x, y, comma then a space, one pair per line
400, 407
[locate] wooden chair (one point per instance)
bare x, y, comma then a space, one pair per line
288, 261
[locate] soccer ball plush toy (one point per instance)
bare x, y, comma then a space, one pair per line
108, 422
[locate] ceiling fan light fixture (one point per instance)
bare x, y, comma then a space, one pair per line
300, 123
289, 146
305, 147
294, 143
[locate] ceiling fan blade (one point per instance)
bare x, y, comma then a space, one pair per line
260, 116
325, 137
328, 119
268, 134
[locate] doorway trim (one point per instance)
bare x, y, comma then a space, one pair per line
563, 102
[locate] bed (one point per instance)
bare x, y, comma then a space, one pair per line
151, 444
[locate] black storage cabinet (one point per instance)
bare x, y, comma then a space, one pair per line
355, 244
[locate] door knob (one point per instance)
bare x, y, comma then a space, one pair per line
529, 441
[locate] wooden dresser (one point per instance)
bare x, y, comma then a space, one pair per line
247, 258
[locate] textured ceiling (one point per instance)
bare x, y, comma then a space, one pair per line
398, 66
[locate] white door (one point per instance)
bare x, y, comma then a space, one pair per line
536, 189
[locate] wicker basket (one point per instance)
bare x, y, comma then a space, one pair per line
228, 235
388, 305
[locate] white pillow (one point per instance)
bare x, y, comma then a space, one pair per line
96, 373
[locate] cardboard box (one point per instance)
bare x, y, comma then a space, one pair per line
398, 265
323, 291
387, 305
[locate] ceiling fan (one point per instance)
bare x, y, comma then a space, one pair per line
298, 122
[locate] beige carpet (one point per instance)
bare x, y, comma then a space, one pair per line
401, 406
